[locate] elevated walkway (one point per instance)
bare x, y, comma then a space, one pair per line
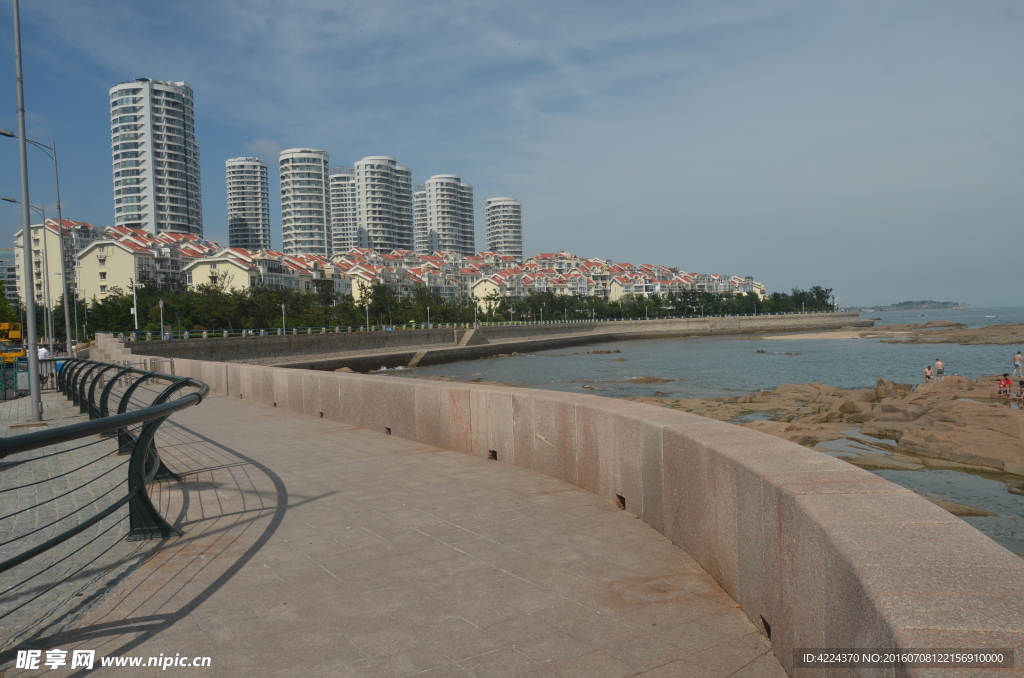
316, 548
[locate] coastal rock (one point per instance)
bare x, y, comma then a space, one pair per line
941, 420
890, 389
849, 407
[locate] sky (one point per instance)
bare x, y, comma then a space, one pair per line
876, 148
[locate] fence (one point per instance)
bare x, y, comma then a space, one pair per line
407, 327
74, 485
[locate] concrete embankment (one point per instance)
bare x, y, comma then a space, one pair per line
362, 351
818, 553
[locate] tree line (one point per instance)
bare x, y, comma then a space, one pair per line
214, 307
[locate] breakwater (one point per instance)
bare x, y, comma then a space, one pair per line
363, 351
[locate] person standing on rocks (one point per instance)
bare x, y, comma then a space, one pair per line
940, 369
1017, 368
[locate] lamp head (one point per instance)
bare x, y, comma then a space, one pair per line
6, 199
8, 133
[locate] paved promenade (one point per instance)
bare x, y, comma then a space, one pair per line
43, 493
313, 548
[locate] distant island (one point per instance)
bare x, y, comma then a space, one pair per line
917, 306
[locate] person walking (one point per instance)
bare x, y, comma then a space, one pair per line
44, 367
940, 369
1017, 369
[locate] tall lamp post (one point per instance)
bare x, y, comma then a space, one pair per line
26, 228
135, 306
284, 328
51, 151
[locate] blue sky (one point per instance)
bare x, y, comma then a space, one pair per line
873, 147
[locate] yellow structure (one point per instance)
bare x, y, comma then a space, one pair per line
235, 275
108, 264
11, 344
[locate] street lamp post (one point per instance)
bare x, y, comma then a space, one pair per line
26, 228
284, 327
135, 305
162, 336
51, 151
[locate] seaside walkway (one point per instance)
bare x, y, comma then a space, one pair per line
314, 548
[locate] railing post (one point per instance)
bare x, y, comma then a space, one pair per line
83, 406
94, 410
144, 520
124, 437
105, 395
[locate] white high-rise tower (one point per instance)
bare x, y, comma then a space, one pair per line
443, 209
248, 204
343, 209
155, 157
504, 226
305, 204
383, 204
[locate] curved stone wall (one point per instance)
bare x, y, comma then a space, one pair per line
825, 554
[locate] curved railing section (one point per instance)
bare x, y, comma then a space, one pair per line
60, 482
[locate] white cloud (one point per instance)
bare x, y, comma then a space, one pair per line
267, 150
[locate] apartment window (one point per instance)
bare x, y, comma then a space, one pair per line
103, 275
103, 289
103, 262
102, 249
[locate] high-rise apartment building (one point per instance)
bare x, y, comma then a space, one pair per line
9, 273
383, 204
343, 209
504, 226
248, 204
443, 215
155, 157
305, 201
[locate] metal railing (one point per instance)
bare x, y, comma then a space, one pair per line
410, 326
126, 406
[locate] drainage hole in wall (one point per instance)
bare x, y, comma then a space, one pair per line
387, 429
767, 627
492, 455
321, 415
620, 501
275, 404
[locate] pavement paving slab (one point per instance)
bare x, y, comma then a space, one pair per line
312, 548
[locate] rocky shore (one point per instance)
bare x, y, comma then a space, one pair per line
934, 332
958, 420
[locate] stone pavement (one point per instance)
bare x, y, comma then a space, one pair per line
313, 548
43, 493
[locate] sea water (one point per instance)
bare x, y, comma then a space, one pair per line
712, 367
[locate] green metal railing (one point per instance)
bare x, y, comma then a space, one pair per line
125, 404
